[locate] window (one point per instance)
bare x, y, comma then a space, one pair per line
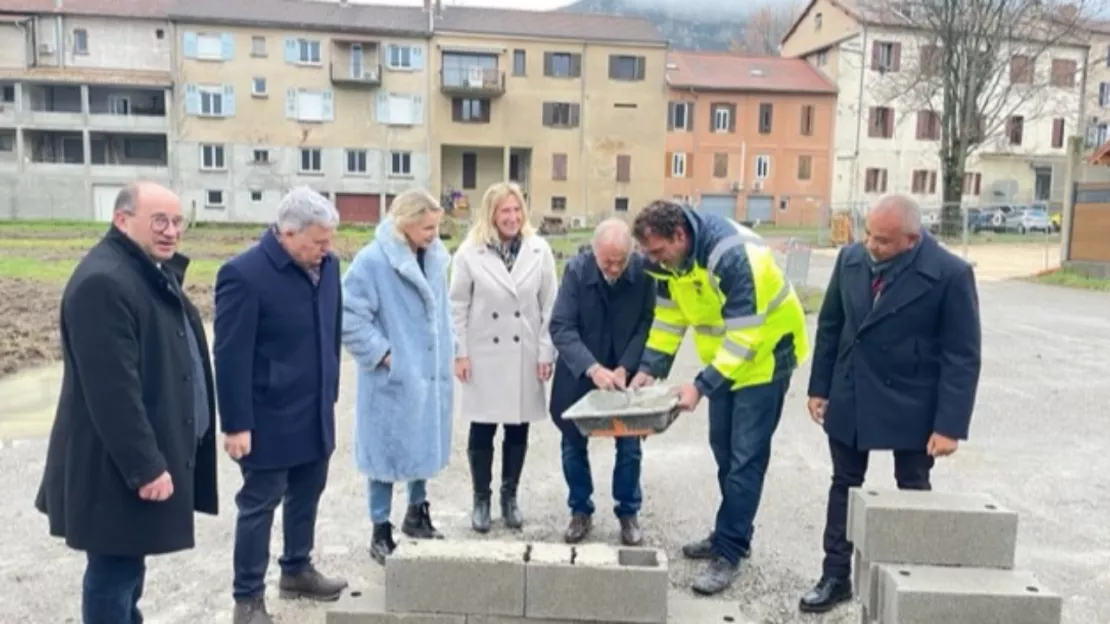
881, 123
470, 110
720, 165
213, 199
1058, 132
678, 165
1103, 94
562, 65
311, 160
622, 67
762, 167
80, 41
874, 181
356, 161
7, 142
558, 204
766, 117
1021, 69
520, 62
159, 34
210, 47
403, 57
821, 58
624, 168
400, 163
817, 19
924, 182
620, 204
558, 167
7, 93
972, 183
308, 51
256, 196
470, 170
258, 46
261, 157
311, 106
722, 118
400, 109
211, 101
1015, 127
886, 56
807, 120
805, 167
928, 126
678, 116
212, 157
560, 114
258, 86
1063, 73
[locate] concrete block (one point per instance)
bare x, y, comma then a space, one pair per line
596, 582
368, 607
685, 609
931, 594
449, 576
864, 581
932, 528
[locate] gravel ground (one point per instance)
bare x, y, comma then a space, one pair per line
1039, 445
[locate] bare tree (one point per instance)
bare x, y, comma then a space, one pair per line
765, 28
976, 72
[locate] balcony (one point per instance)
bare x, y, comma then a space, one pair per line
472, 81
54, 150
7, 103
53, 106
346, 73
127, 109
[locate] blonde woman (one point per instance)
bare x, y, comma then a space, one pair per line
503, 286
397, 327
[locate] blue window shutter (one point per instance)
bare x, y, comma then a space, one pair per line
417, 110
229, 100
1102, 88
382, 112
227, 46
192, 100
189, 44
329, 105
291, 103
292, 52
417, 56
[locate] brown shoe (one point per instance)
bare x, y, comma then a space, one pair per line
251, 611
578, 528
631, 535
311, 584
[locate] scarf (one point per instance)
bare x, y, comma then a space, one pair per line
507, 250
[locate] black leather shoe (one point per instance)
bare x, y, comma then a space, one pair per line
512, 464
826, 595
578, 528
418, 523
631, 535
382, 544
481, 466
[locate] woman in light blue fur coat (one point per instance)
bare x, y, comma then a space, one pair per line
396, 325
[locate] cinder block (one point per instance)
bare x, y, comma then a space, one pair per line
684, 609
448, 576
596, 582
864, 581
932, 528
931, 594
368, 607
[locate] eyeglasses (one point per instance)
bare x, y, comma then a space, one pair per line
159, 222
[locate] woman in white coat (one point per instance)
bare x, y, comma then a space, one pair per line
503, 287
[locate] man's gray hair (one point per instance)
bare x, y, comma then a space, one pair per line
613, 230
303, 207
127, 200
907, 207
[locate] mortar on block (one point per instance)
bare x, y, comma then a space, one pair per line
625, 413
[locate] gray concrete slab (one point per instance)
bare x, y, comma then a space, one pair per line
1038, 444
456, 576
368, 607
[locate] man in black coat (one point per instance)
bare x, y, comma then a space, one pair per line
896, 367
599, 325
277, 351
132, 454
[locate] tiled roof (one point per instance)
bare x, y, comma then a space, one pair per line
550, 24
740, 72
91, 76
306, 14
140, 9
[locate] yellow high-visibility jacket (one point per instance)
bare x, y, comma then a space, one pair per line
749, 325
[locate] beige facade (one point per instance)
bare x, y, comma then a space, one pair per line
580, 125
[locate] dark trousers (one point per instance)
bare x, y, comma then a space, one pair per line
911, 472
576, 470
298, 490
111, 589
741, 425
481, 436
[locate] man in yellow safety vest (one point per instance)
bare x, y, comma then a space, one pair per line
721, 279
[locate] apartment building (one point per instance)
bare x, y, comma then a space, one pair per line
85, 89
750, 137
888, 142
274, 94
570, 106
1098, 89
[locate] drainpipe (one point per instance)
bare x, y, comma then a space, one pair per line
585, 167
859, 116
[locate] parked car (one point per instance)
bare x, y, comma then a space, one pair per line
990, 218
1028, 220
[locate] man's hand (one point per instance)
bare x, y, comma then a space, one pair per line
941, 445
622, 377
688, 397
606, 379
462, 369
817, 407
544, 370
157, 490
237, 445
642, 379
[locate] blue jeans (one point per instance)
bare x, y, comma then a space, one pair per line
576, 471
741, 425
381, 497
111, 589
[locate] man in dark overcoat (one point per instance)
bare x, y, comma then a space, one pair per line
896, 367
277, 357
132, 454
599, 325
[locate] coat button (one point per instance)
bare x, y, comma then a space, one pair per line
518, 313
887, 382
516, 338
189, 421
495, 315
496, 340
181, 333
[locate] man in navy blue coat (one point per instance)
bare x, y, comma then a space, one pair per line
277, 352
895, 367
599, 325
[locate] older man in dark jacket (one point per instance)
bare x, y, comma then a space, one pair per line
132, 454
895, 367
277, 355
599, 326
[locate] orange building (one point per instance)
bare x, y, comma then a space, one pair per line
750, 137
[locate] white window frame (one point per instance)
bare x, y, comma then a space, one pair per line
213, 157
314, 154
399, 56
400, 164
208, 198
215, 101
353, 157
210, 47
722, 119
301, 107
255, 83
258, 151
678, 165
762, 167
258, 46
685, 108
308, 52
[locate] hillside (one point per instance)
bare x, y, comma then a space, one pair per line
703, 28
